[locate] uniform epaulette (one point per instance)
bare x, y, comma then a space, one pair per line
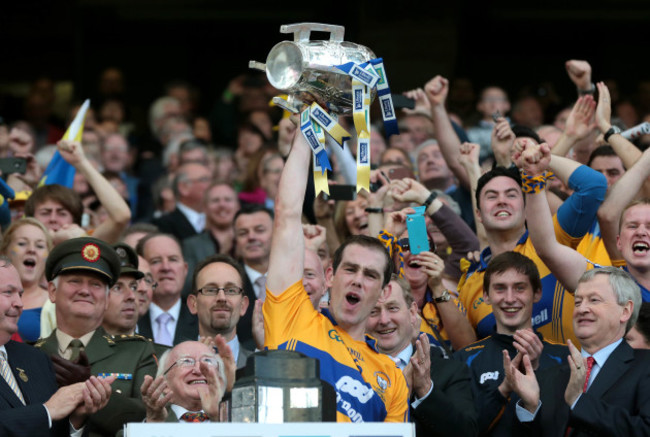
109, 339
39, 343
132, 337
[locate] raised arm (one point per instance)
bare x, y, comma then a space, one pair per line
118, 211
622, 192
288, 244
579, 126
469, 154
625, 150
565, 263
576, 215
436, 90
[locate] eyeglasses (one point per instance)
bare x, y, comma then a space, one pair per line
191, 362
404, 244
230, 290
202, 180
148, 279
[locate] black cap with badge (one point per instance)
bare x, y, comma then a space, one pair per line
83, 254
128, 260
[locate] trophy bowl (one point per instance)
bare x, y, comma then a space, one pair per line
306, 69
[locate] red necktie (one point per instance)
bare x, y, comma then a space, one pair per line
199, 416
590, 365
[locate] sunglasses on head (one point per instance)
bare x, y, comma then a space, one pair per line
404, 244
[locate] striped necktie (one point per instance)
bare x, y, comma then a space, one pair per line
8, 375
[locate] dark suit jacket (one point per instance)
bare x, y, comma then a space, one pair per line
119, 354
28, 420
245, 324
198, 247
175, 223
187, 327
616, 404
449, 409
195, 249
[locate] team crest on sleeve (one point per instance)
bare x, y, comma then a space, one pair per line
382, 380
90, 252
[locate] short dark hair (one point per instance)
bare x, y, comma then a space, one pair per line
57, 193
407, 293
526, 132
510, 172
604, 150
643, 321
139, 248
252, 208
367, 242
217, 258
515, 261
146, 228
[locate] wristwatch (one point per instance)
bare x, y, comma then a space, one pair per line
611, 131
444, 298
591, 91
430, 199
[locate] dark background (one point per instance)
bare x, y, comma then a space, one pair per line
209, 42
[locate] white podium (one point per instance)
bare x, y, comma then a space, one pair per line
311, 429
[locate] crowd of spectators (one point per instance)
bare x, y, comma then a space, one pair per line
225, 249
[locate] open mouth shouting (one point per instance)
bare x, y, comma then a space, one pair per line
640, 247
352, 298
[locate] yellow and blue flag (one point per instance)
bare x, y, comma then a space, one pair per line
58, 170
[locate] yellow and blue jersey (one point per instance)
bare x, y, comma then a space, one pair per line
593, 248
369, 386
552, 315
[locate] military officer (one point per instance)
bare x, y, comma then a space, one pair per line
80, 272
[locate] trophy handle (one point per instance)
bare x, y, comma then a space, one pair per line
302, 31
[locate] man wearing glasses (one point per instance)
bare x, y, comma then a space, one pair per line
218, 301
189, 385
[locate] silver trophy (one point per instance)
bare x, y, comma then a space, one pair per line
306, 70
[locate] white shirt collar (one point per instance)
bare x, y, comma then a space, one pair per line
603, 354
234, 347
179, 411
405, 356
174, 311
197, 219
252, 273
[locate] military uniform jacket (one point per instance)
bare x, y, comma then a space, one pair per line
127, 354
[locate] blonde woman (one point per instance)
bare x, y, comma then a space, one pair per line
27, 244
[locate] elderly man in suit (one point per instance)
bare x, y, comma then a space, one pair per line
218, 300
442, 402
30, 403
603, 389
80, 272
190, 182
168, 321
189, 385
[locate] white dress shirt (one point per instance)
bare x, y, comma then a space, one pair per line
155, 311
196, 219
